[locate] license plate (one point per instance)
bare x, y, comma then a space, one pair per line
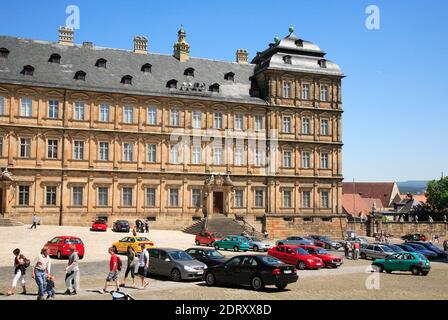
200, 272
287, 271
318, 264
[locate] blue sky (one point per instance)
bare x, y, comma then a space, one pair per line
395, 120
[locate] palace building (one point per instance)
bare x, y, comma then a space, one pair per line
89, 132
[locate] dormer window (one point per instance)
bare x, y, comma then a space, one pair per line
172, 84
55, 58
229, 76
28, 70
127, 80
189, 72
322, 63
287, 59
214, 87
101, 63
146, 68
80, 75
299, 43
4, 53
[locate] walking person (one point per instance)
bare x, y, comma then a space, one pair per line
146, 225
132, 263
349, 250
20, 265
346, 249
72, 272
143, 264
34, 225
356, 249
41, 269
114, 268
49, 288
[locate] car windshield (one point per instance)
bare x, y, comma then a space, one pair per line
301, 251
387, 249
100, 222
271, 260
73, 241
214, 254
325, 238
395, 248
254, 239
321, 251
214, 234
421, 256
142, 239
180, 255
407, 248
418, 246
431, 246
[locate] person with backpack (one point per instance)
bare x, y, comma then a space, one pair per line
114, 268
20, 265
143, 264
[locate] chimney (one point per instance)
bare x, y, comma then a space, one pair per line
87, 44
140, 45
66, 36
242, 56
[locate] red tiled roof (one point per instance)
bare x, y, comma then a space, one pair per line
354, 205
419, 197
371, 190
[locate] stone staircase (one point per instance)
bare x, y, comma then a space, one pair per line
224, 226
5, 222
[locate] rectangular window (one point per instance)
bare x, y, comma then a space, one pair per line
306, 199
197, 120
152, 115
324, 127
2, 105
196, 155
259, 198
218, 120
24, 195
150, 197
1, 147
25, 147
306, 160
305, 126
324, 96
196, 198
287, 124
305, 91
325, 200
174, 154
259, 157
78, 150
174, 118
104, 112
126, 197
217, 156
239, 198
239, 156
238, 121
174, 197
324, 160
52, 152
287, 159
104, 151
258, 125
26, 107
77, 196
53, 109
103, 196
128, 114
50, 196
128, 151
287, 199
152, 152
78, 112
287, 89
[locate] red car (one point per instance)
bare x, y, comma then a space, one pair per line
296, 256
329, 260
207, 238
99, 225
60, 246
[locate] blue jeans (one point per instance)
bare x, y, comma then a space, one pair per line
41, 281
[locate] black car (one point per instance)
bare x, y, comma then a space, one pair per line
210, 257
256, 271
121, 226
440, 253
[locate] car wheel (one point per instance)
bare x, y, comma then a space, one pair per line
175, 275
377, 268
216, 247
301, 265
210, 279
197, 243
281, 286
257, 283
236, 249
388, 271
415, 271
59, 255
115, 249
363, 255
81, 257
256, 248
425, 273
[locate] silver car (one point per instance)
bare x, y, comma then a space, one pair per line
295, 241
174, 263
375, 251
257, 244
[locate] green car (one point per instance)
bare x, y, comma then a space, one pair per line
236, 243
404, 261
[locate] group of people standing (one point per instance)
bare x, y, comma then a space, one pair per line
352, 250
41, 273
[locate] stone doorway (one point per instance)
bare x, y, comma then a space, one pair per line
218, 202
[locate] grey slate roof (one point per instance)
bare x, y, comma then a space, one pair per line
120, 63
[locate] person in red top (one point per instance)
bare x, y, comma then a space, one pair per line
356, 248
113, 271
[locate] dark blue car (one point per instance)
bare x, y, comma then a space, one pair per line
430, 246
419, 249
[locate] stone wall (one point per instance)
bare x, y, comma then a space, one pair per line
398, 229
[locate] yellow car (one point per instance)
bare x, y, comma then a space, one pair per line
121, 246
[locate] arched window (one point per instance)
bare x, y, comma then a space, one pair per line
146, 68
287, 59
214, 87
28, 70
127, 79
299, 43
229, 76
189, 72
80, 75
55, 58
101, 63
172, 84
322, 63
4, 53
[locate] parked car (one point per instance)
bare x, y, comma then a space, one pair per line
121, 226
99, 225
296, 256
121, 246
405, 261
430, 246
325, 242
329, 260
393, 247
257, 244
237, 243
174, 263
207, 238
375, 251
210, 257
257, 271
60, 246
294, 241
409, 247
414, 237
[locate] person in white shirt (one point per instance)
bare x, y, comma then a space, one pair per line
72, 272
143, 264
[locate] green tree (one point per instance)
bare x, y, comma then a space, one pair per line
437, 194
